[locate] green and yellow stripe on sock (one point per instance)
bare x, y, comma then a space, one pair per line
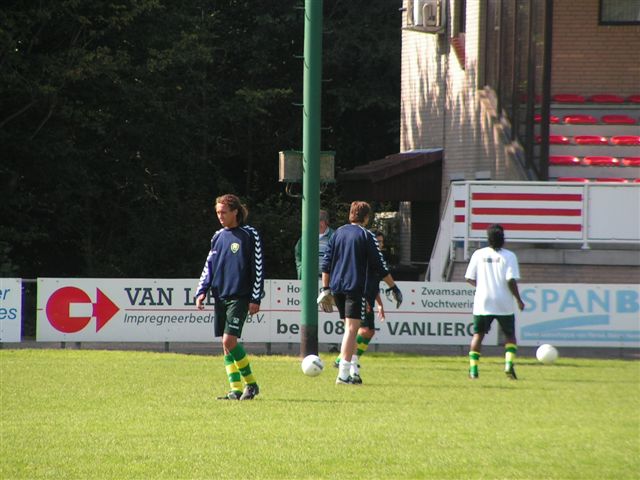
362, 344
242, 363
233, 374
474, 361
510, 351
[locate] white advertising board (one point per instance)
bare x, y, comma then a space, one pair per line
10, 309
151, 310
134, 310
581, 315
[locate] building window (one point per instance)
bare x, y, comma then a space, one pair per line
619, 12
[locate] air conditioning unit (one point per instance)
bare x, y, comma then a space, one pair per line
429, 15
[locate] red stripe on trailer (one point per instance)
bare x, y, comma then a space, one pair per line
459, 218
459, 203
560, 197
534, 227
560, 212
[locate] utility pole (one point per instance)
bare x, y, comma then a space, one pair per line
311, 173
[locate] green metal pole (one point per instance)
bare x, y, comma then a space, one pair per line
311, 173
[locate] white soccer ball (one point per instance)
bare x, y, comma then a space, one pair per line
547, 354
312, 365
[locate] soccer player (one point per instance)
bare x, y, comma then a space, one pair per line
494, 271
233, 272
352, 253
367, 329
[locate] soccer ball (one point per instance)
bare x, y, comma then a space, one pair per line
312, 365
547, 354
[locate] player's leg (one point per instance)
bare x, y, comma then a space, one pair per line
363, 337
481, 325
507, 323
233, 374
352, 313
237, 311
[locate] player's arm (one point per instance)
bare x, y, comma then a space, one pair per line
206, 277
381, 316
257, 270
513, 288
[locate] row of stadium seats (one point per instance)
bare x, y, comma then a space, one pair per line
619, 140
586, 119
600, 98
594, 160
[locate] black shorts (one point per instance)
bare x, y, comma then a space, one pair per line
482, 323
230, 316
369, 318
349, 306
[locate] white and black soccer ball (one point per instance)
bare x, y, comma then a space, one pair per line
547, 354
312, 365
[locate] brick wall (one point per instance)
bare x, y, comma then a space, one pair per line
589, 58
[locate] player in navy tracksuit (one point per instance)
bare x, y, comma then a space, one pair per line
233, 272
351, 256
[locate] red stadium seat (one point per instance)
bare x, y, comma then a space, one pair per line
601, 161
631, 161
616, 180
626, 140
605, 98
568, 98
563, 160
573, 179
555, 140
580, 119
634, 99
552, 118
618, 120
590, 140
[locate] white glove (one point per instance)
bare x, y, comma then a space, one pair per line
325, 300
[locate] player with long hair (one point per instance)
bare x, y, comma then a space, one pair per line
233, 272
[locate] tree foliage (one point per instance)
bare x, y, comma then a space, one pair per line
120, 122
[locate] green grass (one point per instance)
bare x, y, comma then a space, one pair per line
139, 415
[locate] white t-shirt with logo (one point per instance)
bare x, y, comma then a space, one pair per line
492, 270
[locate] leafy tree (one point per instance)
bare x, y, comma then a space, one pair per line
121, 122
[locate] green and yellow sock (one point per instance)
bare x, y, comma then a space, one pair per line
510, 350
474, 361
243, 365
362, 344
233, 374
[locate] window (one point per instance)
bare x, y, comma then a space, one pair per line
619, 12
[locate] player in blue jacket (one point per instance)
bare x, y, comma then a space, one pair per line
351, 257
233, 272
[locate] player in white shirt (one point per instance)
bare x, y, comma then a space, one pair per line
494, 271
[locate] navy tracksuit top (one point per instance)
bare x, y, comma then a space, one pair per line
234, 266
353, 260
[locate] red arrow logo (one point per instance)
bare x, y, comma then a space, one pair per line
58, 309
103, 309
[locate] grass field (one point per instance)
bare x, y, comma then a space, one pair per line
140, 415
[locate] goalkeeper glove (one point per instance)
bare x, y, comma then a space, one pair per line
396, 294
325, 300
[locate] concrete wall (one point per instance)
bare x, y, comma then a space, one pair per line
561, 273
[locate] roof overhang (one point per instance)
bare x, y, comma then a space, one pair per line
409, 176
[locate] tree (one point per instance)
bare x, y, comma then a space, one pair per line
120, 124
